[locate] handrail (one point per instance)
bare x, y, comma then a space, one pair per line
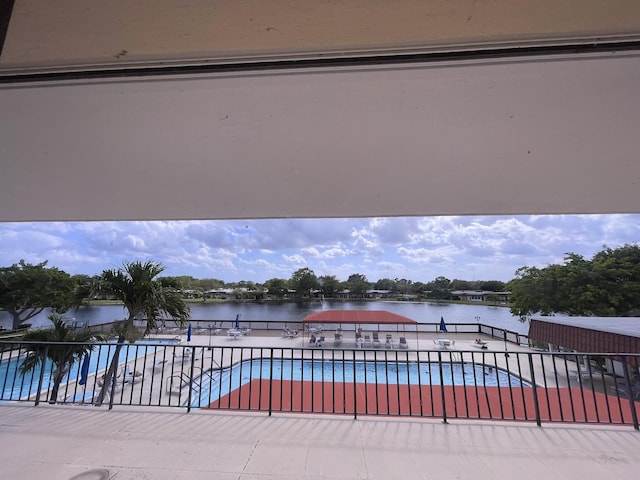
544, 387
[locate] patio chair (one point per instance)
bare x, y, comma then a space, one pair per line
622, 390
130, 375
583, 373
367, 341
359, 340
376, 340
320, 342
337, 339
403, 343
389, 341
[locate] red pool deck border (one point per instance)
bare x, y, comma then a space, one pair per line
497, 403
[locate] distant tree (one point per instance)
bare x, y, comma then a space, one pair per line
492, 286
303, 281
440, 288
209, 284
617, 274
278, 287
458, 284
402, 286
63, 356
26, 290
146, 297
329, 285
357, 284
384, 284
419, 288
608, 285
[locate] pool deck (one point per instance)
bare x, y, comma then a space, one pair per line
61, 441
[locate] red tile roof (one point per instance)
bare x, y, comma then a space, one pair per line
358, 316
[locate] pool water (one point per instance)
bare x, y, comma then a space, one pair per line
14, 385
214, 385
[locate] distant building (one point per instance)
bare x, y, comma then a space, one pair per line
480, 296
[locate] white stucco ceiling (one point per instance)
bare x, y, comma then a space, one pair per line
539, 135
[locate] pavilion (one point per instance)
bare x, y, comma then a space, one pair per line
360, 317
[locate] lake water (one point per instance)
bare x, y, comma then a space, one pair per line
420, 312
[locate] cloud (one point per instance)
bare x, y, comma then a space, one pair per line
295, 259
416, 248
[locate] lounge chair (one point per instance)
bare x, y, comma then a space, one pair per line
367, 341
288, 333
622, 390
403, 343
376, 340
184, 356
389, 341
130, 375
481, 344
444, 343
583, 373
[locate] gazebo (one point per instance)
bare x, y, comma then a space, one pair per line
358, 317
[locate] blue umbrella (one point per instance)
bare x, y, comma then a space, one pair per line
238, 321
189, 333
84, 369
443, 326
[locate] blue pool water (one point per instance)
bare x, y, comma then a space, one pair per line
215, 385
14, 385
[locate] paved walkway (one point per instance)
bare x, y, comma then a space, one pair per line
62, 442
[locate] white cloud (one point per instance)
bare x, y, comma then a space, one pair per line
295, 259
415, 248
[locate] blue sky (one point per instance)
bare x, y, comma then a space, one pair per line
415, 248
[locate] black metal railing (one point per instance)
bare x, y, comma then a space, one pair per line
539, 387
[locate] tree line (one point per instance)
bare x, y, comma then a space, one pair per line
27, 289
606, 285
304, 283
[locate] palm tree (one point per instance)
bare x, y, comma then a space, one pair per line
62, 355
145, 297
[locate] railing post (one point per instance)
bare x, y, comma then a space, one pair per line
632, 402
41, 378
189, 396
271, 385
355, 390
442, 395
534, 387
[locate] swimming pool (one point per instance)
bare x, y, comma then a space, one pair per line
216, 384
15, 386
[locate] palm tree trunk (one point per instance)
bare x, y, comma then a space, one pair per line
57, 380
110, 375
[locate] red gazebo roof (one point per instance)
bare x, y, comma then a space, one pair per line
358, 316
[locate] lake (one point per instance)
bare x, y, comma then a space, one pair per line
420, 312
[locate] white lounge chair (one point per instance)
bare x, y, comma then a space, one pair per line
583, 373
130, 375
481, 344
624, 391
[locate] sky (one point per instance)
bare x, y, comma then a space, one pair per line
414, 248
